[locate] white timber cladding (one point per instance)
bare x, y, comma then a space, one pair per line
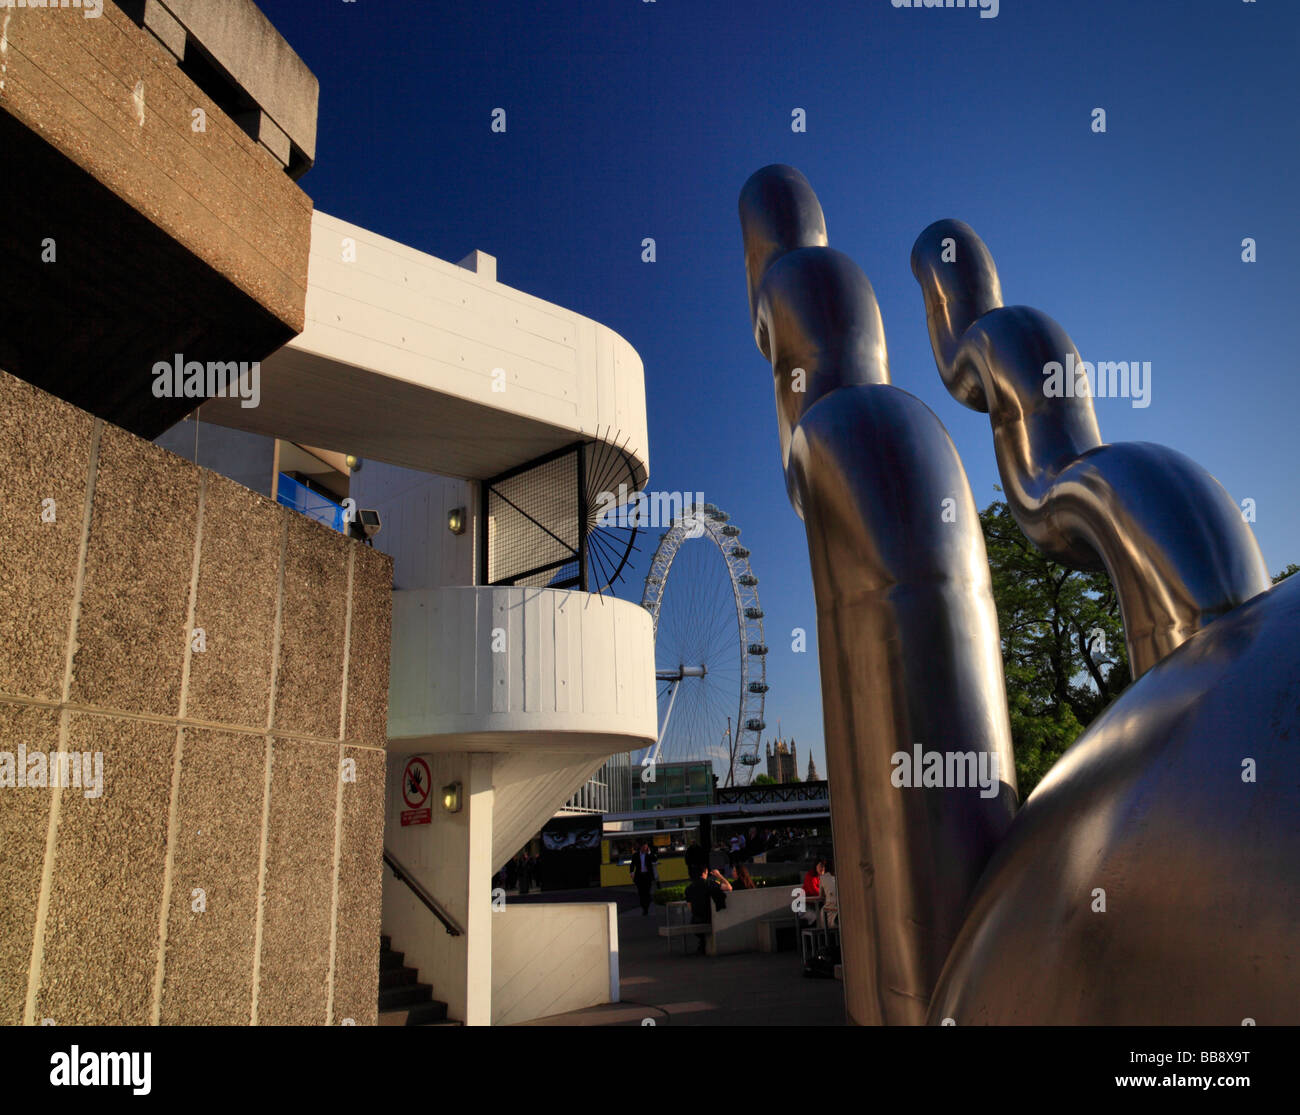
551, 958
400, 355
414, 507
502, 669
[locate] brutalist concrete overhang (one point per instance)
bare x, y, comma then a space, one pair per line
138, 221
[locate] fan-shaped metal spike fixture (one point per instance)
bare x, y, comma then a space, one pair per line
610, 483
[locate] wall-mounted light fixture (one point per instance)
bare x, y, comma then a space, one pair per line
353, 462
451, 797
456, 520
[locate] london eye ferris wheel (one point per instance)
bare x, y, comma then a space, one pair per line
710, 657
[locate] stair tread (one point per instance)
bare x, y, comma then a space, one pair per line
403, 999
433, 1013
397, 977
409, 995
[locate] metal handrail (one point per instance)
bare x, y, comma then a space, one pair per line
431, 903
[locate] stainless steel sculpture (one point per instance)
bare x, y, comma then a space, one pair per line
1152, 877
1198, 865
1179, 809
1173, 541
907, 631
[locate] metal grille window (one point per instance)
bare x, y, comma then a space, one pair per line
554, 522
532, 525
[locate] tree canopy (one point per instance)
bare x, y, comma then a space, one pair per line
1063, 647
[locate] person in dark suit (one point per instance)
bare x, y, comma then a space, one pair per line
643, 874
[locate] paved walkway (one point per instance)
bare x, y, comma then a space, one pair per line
745, 989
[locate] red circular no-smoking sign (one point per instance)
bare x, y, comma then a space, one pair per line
416, 783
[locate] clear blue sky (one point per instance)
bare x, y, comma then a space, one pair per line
628, 119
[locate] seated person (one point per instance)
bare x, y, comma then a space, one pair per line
812, 887
708, 885
744, 880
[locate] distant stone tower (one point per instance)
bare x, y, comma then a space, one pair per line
812, 769
782, 763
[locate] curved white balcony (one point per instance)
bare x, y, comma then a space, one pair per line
409, 359
563, 673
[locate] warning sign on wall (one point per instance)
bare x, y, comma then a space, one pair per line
416, 783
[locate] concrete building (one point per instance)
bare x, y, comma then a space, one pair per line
675, 785
216, 663
508, 679
609, 790
164, 144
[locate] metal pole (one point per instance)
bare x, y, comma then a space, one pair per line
582, 519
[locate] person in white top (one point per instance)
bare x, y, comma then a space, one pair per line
737, 846
830, 911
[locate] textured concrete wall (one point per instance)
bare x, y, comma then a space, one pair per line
144, 205
255, 54
108, 96
249, 767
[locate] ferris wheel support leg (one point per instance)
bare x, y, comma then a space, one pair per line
907, 631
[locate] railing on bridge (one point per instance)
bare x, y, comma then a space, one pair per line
777, 792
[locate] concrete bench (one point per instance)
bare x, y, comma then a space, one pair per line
738, 927
682, 930
685, 928
768, 926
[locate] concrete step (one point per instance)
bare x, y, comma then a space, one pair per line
397, 977
405, 996
421, 1014
403, 999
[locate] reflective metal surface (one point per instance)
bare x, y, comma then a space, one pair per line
907, 631
1173, 541
1197, 864
1152, 877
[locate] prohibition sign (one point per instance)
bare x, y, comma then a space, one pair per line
416, 784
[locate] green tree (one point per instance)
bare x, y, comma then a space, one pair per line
1287, 572
1063, 647
764, 780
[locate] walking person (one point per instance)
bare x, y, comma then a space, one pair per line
643, 874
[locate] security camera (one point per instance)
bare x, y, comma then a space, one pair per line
366, 525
